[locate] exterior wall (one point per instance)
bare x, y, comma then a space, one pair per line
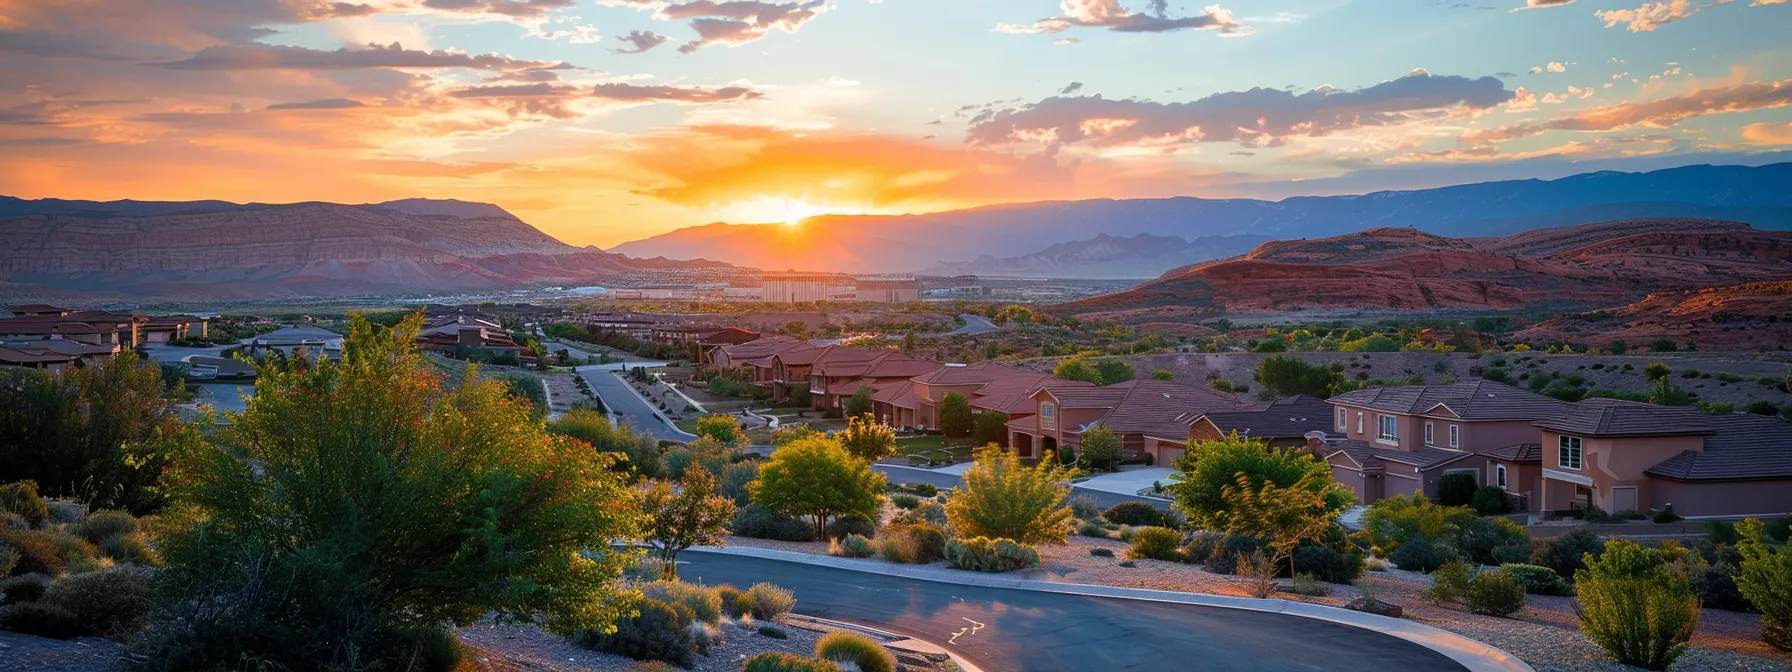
1521, 479
1475, 464
1724, 498
1164, 453
1409, 428
781, 289
1616, 462
1401, 479
1484, 436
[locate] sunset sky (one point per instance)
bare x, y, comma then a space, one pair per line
603, 121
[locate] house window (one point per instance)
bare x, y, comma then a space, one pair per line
1343, 419
1359, 422
1046, 410
1568, 454
1499, 475
1455, 437
1389, 429
1428, 440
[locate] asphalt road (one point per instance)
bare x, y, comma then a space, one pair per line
974, 325
1006, 630
620, 399
944, 481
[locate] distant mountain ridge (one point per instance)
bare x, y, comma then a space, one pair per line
1588, 266
876, 243
1104, 257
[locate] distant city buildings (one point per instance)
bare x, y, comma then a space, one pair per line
797, 287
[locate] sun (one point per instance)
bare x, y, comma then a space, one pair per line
787, 210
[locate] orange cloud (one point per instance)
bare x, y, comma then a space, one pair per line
1768, 133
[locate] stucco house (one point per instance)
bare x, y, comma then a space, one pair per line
1151, 417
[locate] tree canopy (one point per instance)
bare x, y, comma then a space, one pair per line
1002, 498
867, 440
1210, 467
1288, 376
679, 518
816, 478
955, 415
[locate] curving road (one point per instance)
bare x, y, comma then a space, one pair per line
974, 325
1008, 630
622, 400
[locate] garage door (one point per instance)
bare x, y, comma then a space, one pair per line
1167, 456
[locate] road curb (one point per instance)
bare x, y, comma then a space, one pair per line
1476, 656
898, 641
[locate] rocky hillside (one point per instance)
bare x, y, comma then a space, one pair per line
1104, 256
1591, 266
211, 251
1736, 317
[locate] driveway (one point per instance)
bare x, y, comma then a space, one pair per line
1129, 482
1009, 630
622, 400
974, 325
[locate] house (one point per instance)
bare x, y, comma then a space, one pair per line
760, 355
701, 340
987, 386
166, 328
113, 331
1151, 417
50, 355
469, 337
836, 372
37, 310
1283, 422
1403, 439
1629, 456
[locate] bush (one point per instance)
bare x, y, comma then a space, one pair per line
1101, 552
654, 633
112, 603
1310, 585
735, 480
1766, 579
1089, 529
130, 549
784, 662
925, 489
774, 632
851, 546
1449, 583
1640, 611
1084, 508
1134, 513
37, 552
905, 501
913, 544
1001, 498
1564, 553
1327, 564
97, 527
1475, 539
678, 459
1223, 558
1489, 500
845, 648
1456, 489
929, 512
1156, 543
1494, 593
21, 499
1420, 555
645, 666
1666, 516
704, 602
1716, 585
770, 600
41, 620
1538, 580
730, 597
757, 522
852, 524
21, 589
1512, 554
982, 554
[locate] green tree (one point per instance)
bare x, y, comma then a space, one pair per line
1077, 368
380, 503
641, 450
723, 428
1635, 607
1209, 467
1100, 447
816, 478
1618, 348
991, 427
859, 403
1163, 375
867, 440
1113, 371
690, 515
910, 342
1288, 376
1766, 580
87, 430
956, 419
1285, 517
1656, 371
1667, 394
1002, 498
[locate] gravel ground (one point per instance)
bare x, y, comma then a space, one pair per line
532, 648
25, 653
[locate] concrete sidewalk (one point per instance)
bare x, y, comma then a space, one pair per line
1130, 481
1476, 656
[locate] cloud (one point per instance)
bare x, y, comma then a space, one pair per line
276, 57
732, 22
325, 104
1258, 117
1522, 101
1070, 88
1649, 16
617, 92
1065, 41
642, 40
1552, 66
510, 8
1768, 132
1661, 113
1758, 3
1111, 15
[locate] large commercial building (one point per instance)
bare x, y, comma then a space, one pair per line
797, 287
887, 288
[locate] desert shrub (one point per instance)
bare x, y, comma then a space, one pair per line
1089, 529
21, 589
735, 480
925, 489
1494, 593
1449, 583
929, 513
64, 512
1489, 500
1766, 580
37, 552
1124, 533
758, 522
1565, 553
850, 546
22, 500
39, 619
1391, 521
1512, 554
1310, 585
1716, 585
1538, 580
772, 631
770, 600
730, 597
74, 549
704, 602
1137, 514
912, 544
112, 603
1327, 564
1637, 609
784, 662
1001, 498
1456, 489
982, 554
647, 666
1156, 543
1084, 508
1420, 555
97, 527
654, 633
678, 459
1475, 539
853, 524
8, 559
645, 569
129, 549
845, 648
1223, 559
1666, 516
905, 501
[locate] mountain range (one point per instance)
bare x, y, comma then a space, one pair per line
1570, 268
1105, 257
961, 240
215, 250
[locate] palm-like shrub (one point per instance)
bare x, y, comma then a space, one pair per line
1637, 609
1766, 580
1001, 498
845, 647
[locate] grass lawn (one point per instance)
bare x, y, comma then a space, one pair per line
933, 447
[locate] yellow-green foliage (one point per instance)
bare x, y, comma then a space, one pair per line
845, 647
1766, 580
1636, 608
1002, 498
